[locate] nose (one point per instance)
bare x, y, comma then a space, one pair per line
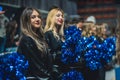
37, 19
61, 18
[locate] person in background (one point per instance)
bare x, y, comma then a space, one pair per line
78, 22
3, 22
33, 46
10, 34
54, 34
118, 46
89, 30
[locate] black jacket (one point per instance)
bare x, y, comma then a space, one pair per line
54, 46
39, 66
53, 43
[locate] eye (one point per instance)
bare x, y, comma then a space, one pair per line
58, 15
33, 16
39, 16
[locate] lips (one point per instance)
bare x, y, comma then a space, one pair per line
37, 23
61, 21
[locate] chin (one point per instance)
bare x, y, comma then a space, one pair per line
59, 24
37, 26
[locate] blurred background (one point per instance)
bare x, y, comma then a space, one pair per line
104, 11
107, 11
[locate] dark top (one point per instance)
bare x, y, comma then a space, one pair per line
39, 66
53, 43
54, 46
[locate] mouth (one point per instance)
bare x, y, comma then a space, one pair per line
61, 21
37, 23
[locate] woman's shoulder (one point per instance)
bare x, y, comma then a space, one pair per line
48, 32
26, 39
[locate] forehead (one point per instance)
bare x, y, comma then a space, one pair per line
35, 13
59, 12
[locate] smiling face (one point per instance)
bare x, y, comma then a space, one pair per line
35, 19
59, 18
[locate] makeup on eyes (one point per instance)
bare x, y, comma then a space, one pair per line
34, 16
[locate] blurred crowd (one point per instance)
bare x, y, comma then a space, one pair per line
10, 37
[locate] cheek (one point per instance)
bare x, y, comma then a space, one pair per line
31, 21
56, 21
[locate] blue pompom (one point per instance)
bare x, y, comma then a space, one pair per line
13, 66
72, 75
70, 52
95, 53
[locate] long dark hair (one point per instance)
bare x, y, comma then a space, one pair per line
27, 29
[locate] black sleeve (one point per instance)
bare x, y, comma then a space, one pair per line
28, 48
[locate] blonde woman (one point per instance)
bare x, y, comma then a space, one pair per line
54, 34
55, 23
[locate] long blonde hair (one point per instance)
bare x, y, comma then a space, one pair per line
27, 29
50, 23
